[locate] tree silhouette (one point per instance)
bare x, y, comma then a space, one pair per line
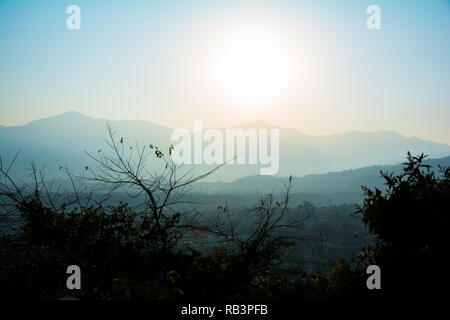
410, 221
140, 251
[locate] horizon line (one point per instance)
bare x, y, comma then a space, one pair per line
233, 126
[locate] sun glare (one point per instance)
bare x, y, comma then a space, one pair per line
253, 68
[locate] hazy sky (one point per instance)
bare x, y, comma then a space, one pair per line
309, 65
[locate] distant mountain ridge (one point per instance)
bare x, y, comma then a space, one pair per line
62, 140
332, 182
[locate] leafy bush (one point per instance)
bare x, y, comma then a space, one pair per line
410, 221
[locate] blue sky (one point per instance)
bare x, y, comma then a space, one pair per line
152, 60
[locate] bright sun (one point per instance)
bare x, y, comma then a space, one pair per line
253, 68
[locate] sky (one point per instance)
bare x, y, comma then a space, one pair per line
309, 65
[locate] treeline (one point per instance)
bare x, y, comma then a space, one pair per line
164, 248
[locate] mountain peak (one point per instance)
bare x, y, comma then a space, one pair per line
71, 114
387, 133
258, 124
63, 118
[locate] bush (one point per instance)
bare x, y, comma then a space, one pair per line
410, 221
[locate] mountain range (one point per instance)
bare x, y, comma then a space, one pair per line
333, 187
62, 140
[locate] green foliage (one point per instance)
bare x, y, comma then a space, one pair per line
128, 254
121, 257
410, 221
